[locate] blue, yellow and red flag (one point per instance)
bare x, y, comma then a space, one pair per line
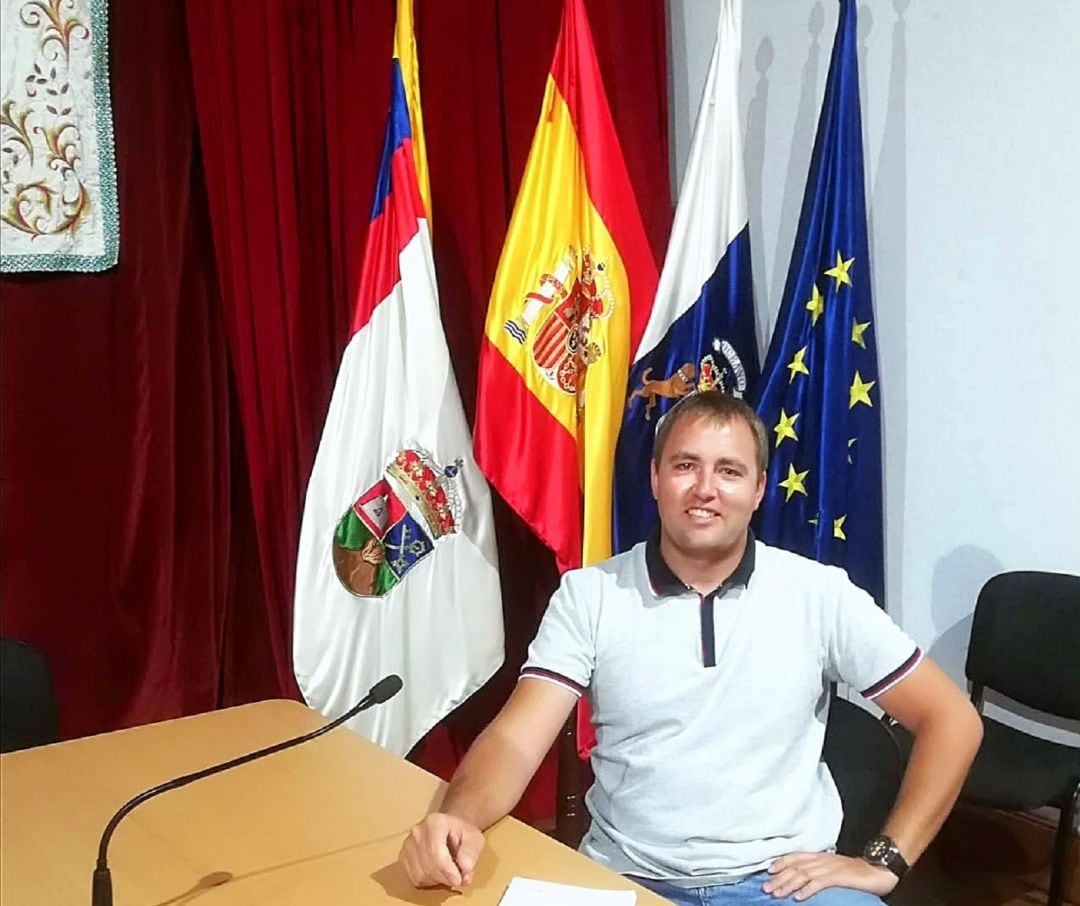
569, 304
396, 570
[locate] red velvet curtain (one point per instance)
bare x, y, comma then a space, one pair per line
159, 429
118, 482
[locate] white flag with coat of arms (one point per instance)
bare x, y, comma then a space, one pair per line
396, 570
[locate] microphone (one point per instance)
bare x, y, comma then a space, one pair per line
384, 689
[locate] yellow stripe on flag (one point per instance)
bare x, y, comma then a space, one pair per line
405, 54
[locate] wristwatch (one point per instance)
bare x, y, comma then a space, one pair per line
883, 851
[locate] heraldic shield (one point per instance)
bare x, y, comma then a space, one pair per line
395, 523
564, 307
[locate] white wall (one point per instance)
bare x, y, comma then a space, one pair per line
971, 122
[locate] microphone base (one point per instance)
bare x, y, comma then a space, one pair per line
102, 893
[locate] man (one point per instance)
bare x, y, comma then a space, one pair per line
707, 657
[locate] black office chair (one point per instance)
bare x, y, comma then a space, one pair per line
1025, 644
27, 705
865, 761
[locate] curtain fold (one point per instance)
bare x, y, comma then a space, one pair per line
161, 419
117, 491
289, 169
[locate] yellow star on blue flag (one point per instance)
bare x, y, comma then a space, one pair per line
825, 367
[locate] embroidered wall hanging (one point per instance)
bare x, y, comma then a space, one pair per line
58, 208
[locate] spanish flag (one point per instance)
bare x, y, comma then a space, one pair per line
571, 297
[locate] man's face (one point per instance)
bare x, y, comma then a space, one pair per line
707, 485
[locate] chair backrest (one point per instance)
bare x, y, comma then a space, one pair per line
1025, 640
865, 761
27, 705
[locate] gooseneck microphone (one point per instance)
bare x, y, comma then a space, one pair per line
384, 689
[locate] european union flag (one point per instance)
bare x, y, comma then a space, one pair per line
820, 395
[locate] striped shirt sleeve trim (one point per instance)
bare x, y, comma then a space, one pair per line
550, 676
884, 685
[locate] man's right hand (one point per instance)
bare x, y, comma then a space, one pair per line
444, 848
441, 849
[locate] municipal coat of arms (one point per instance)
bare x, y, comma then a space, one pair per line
396, 522
558, 320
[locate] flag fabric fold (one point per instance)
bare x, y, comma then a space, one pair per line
569, 303
820, 396
396, 568
700, 333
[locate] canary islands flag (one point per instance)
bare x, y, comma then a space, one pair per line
570, 299
821, 393
700, 334
396, 570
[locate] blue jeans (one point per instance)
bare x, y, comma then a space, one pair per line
749, 893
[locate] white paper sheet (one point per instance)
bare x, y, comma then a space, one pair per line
528, 892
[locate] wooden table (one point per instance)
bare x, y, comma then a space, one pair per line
318, 824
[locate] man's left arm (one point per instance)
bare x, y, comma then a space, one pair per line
947, 731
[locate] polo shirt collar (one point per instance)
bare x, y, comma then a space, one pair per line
664, 582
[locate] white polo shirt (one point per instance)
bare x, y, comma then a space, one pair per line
710, 709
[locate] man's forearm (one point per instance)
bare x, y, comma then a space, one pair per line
940, 758
499, 765
489, 781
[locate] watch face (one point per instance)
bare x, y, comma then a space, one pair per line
881, 850
878, 848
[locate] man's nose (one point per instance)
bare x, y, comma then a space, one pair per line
705, 485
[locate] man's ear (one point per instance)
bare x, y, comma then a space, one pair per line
653, 477
760, 489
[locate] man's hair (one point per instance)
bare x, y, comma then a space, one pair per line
718, 409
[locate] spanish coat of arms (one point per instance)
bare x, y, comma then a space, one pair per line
557, 321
